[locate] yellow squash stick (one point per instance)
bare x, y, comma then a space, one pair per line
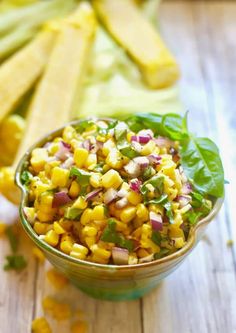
20, 72
134, 33
58, 91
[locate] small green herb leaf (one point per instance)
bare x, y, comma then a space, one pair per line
73, 213
156, 237
81, 175
15, 262
26, 177
202, 165
110, 235
83, 125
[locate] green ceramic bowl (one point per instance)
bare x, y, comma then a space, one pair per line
110, 282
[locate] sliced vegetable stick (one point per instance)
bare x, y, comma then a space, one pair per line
20, 72
59, 88
138, 36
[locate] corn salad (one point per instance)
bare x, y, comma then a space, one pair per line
105, 194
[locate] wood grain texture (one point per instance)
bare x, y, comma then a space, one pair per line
200, 297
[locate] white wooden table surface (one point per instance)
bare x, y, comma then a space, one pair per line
200, 297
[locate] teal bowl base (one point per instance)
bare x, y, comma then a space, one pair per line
116, 296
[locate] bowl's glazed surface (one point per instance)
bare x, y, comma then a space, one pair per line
110, 282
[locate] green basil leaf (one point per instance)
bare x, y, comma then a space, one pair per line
168, 207
83, 125
111, 236
193, 217
161, 254
157, 182
15, 262
158, 201
81, 175
73, 213
202, 165
175, 126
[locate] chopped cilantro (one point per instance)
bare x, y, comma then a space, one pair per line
110, 235
26, 177
161, 254
83, 125
156, 237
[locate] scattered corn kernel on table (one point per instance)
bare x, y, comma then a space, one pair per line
201, 295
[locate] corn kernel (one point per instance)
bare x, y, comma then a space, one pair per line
98, 212
129, 136
69, 133
66, 245
74, 189
142, 212
169, 169
80, 156
40, 325
42, 228
58, 228
114, 159
111, 179
38, 254
127, 214
178, 242
133, 260
58, 280
39, 158
79, 251
44, 217
59, 311
79, 327
89, 231
60, 176
90, 240
175, 231
91, 161
142, 253
107, 146
148, 148
51, 238
134, 198
158, 209
80, 203
95, 180
86, 216
101, 253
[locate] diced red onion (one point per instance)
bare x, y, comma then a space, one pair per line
156, 221
133, 169
142, 161
120, 256
183, 200
122, 193
63, 152
86, 144
146, 259
121, 203
148, 132
68, 163
141, 138
135, 185
66, 145
110, 195
154, 158
93, 194
60, 199
187, 188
